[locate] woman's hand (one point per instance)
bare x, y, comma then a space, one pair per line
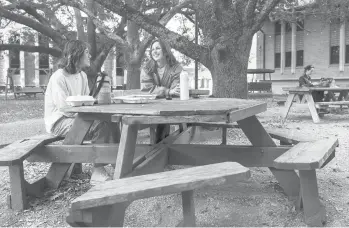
175, 91
161, 91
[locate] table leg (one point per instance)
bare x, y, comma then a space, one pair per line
76, 135
258, 136
126, 150
314, 210
288, 105
312, 108
114, 214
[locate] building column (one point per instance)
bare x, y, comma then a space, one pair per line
113, 76
282, 46
4, 60
36, 61
293, 48
342, 47
21, 60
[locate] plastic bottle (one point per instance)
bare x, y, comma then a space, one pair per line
104, 95
184, 85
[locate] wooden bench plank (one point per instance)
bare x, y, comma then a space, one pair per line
287, 136
333, 103
307, 155
279, 134
17, 151
133, 188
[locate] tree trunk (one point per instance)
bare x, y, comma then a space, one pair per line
134, 60
133, 76
91, 30
229, 69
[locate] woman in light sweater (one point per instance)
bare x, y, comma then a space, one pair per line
70, 80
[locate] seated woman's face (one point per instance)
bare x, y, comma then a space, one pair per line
156, 51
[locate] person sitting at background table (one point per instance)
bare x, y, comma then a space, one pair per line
305, 81
70, 80
160, 75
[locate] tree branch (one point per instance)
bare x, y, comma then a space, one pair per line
263, 15
97, 22
29, 48
176, 41
54, 35
249, 14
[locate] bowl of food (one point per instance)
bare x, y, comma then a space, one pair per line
80, 101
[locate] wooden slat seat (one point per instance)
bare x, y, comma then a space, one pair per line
307, 155
13, 155
18, 151
340, 103
139, 187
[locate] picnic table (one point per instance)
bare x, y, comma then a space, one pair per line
304, 94
179, 151
132, 159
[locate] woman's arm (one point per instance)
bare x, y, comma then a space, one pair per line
148, 85
175, 80
60, 94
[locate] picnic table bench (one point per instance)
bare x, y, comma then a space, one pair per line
13, 155
305, 94
87, 210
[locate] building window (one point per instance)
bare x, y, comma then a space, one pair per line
334, 42
347, 53
300, 25
299, 58
334, 55
119, 64
288, 57
288, 27
277, 28
277, 62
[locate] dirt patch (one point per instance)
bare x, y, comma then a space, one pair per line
258, 201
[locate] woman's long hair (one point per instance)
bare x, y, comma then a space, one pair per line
72, 54
151, 65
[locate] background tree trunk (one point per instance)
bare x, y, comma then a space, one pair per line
133, 76
134, 61
229, 69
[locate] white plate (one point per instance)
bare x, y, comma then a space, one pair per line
135, 99
80, 100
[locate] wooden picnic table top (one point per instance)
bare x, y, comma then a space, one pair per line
175, 107
307, 89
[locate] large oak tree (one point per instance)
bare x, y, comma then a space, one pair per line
227, 28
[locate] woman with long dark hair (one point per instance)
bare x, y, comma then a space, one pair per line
160, 74
70, 80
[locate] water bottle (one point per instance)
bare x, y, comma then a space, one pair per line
104, 95
184, 85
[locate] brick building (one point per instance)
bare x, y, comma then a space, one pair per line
287, 48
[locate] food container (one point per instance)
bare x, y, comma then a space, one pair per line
134, 99
80, 101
